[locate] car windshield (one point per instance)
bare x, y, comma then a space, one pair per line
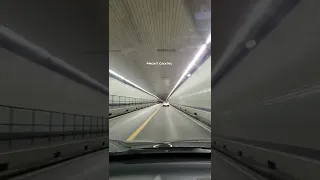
59, 104
158, 54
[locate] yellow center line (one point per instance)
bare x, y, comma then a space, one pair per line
136, 132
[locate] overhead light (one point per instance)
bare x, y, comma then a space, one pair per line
189, 75
129, 82
195, 59
208, 39
116, 74
192, 63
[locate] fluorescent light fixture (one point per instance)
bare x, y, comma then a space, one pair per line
195, 59
116, 74
208, 39
192, 63
189, 75
128, 81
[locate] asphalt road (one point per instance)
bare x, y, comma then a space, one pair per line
157, 123
154, 123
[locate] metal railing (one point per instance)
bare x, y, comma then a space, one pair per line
17, 123
116, 101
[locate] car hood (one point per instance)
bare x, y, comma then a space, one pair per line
121, 146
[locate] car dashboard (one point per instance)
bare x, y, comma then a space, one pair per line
161, 167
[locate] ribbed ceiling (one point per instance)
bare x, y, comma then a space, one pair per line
157, 31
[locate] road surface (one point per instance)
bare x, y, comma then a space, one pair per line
157, 123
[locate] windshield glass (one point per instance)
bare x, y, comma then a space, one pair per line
159, 72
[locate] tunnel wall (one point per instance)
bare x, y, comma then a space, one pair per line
35, 97
35, 100
43, 113
121, 89
26, 84
47, 24
194, 95
16, 163
124, 98
123, 110
267, 106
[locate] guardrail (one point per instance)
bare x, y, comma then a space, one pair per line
18, 123
116, 101
119, 105
30, 138
124, 110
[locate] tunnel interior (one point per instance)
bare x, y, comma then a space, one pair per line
240, 75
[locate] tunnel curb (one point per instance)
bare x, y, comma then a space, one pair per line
15, 173
195, 118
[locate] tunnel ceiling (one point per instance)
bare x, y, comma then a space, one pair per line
142, 31
72, 30
172, 31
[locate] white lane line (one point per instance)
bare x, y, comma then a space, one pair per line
200, 124
235, 166
54, 166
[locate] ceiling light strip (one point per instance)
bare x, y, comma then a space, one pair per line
129, 82
192, 63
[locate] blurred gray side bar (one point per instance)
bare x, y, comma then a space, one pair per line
22, 47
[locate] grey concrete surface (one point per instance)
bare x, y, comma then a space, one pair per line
74, 31
92, 166
272, 95
195, 90
40, 155
125, 110
122, 89
179, 30
25, 84
277, 86
121, 127
167, 124
96, 166
200, 115
47, 24
224, 168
